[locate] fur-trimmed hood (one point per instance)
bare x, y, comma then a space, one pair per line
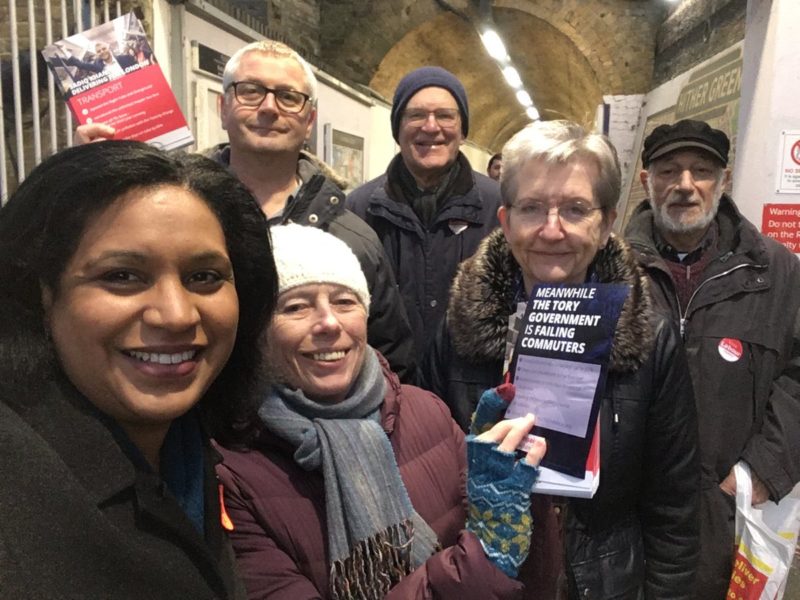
482, 299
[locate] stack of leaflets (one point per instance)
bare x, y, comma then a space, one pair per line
556, 483
559, 364
108, 74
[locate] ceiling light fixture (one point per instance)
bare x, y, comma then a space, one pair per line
524, 98
497, 50
494, 45
512, 77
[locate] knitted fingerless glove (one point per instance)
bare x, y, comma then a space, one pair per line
491, 408
498, 493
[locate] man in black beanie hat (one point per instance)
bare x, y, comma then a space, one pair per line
735, 294
430, 209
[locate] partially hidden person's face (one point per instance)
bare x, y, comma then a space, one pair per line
430, 146
685, 188
266, 128
559, 250
317, 340
495, 169
146, 312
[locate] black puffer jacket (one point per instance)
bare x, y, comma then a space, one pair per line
637, 538
320, 202
425, 258
748, 400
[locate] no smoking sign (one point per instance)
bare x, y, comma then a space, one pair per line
789, 167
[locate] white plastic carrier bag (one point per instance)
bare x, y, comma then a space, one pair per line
766, 536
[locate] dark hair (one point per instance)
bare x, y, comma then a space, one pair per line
41, 227
498, 156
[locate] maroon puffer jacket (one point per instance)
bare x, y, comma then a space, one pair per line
278, 509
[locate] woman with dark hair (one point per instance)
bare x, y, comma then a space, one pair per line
136, 287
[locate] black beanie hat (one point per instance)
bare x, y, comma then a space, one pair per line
428, 77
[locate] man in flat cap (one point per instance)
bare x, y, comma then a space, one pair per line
735, 295
430, 209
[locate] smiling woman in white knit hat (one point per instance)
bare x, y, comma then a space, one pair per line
354, 487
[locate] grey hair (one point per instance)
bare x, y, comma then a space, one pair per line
559, 143
275, 49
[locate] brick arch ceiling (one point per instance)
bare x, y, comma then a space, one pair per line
558, 76
569, 53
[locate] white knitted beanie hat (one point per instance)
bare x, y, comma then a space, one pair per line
309, 255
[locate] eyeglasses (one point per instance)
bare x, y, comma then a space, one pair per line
249, 93
446, 118
573, 213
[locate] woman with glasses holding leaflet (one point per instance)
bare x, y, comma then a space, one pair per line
637, 537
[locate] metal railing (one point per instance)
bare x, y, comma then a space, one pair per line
34, 120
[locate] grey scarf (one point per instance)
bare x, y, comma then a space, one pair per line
375, 537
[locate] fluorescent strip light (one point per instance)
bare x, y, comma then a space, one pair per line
494, 45
524, 98
532, 113
512, 77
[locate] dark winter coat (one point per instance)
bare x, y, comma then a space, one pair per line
637, 538
425, 258
80, 521
278, 509
748, 402
320, 202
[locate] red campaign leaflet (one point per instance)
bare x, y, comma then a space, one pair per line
108, 74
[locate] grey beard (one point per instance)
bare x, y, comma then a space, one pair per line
665, 222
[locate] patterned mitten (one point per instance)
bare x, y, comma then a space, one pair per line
491, 408
498, 492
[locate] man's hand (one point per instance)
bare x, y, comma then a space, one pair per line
94, 132
760, 493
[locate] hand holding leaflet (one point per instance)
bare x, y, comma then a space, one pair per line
498, 488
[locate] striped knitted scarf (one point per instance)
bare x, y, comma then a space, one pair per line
375, 537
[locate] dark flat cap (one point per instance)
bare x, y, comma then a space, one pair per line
682, 135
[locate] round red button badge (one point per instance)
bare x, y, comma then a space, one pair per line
730, 349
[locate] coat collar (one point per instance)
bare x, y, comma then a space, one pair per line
66, 421
482, 299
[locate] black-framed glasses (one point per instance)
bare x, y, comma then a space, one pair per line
569, 213
250, 93
446, 118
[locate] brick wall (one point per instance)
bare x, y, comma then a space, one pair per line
695, 31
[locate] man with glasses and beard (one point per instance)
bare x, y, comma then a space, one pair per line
735, 295
430, 209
